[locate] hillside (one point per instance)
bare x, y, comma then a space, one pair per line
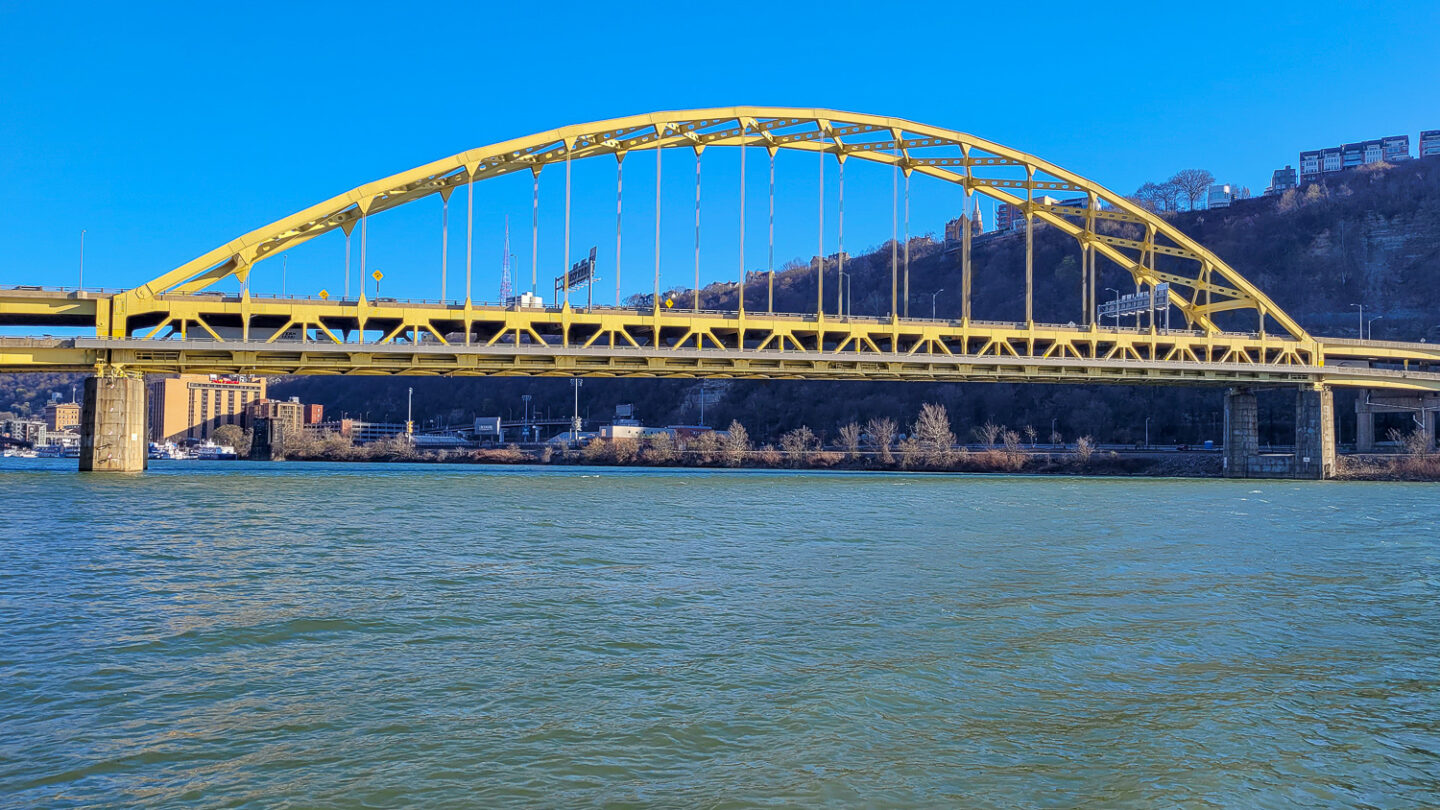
1371, 237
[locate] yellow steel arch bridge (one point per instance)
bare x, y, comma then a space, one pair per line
176, 322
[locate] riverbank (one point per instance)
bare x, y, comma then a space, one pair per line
1368, 467
627, 454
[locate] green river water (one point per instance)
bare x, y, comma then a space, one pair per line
312, 635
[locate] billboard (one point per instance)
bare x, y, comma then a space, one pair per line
581, 273
1136, 303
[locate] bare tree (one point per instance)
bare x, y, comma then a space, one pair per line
736, 443
1031, 434
660, 449
850, 439
703, 449
989, 433
1170, 194
798, 444
1149, 196
932, 432
1193, 184
882, 438
1084, 449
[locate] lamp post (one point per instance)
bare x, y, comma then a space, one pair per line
1370, 327
1053, 421
525, 414
575, 419
1362, 318
932, 302
1117, 305
409, 415
82, 258
1147, 433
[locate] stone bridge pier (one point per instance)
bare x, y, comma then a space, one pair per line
1421, 407
112, 425
1314, 455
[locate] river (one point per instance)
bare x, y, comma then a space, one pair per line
251, 635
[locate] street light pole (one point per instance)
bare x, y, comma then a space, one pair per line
82, 257
1117, 305
575, 419
1147, 433
1362, 319
525, 414
409, 415
1370, 327
1053, 421
932, 302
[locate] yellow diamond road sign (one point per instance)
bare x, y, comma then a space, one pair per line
377, 275
324, 295
669, 302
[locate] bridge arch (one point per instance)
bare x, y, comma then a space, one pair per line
1201, 283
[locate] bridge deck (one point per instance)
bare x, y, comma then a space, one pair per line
218, 333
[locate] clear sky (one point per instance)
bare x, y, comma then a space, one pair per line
165, 131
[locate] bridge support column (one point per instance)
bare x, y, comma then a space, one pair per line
1364, 424
1315, 433
112, 425
1242, 432
268, 441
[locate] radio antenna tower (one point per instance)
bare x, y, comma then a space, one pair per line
505, 266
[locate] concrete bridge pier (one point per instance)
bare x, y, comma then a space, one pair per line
1242, 432
1421, 407
1315, 450
1315, 432
112, 425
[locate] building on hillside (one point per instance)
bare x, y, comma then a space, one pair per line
288, 414
312, 413
1012, 217
62, 416
26, 430
1430, 143
1315, 164
1282, 180
1395, 148
357, 431
1223, 194
192, 406
830, 261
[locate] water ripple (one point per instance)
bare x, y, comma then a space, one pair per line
238, 635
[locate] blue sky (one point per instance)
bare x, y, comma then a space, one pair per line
166, 130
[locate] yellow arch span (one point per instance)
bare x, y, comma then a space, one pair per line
1206, 284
